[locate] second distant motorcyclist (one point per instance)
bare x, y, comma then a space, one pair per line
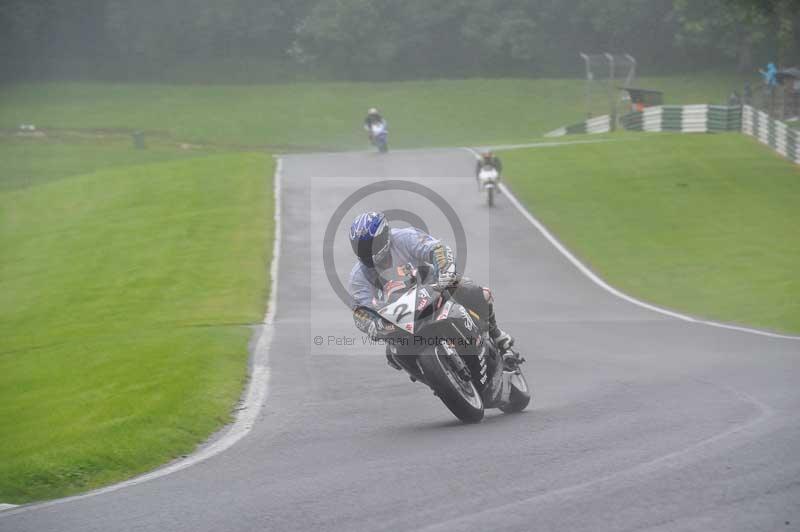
489, 159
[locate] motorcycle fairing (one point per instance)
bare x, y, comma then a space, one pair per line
487, 176
402, 311
445, 311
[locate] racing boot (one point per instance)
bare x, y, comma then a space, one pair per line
502, 339
504, 342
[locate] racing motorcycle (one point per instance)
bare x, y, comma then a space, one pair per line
488, 182
378, 135
443, 345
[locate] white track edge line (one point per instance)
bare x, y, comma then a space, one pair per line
599, 282
496, 147
246, 412
550, 144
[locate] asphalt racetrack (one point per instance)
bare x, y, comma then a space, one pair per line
640, 421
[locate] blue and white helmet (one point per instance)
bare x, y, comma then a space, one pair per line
369, 238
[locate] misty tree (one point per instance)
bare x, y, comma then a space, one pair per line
738, 28
162, 33
499, 31
786, 16
350, 34
384, 39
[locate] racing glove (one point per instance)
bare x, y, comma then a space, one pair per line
370, 323
444, 266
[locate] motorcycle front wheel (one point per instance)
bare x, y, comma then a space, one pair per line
459, 395
520, 394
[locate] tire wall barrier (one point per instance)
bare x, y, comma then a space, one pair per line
700, 119
774, 133
685, 118
599, 124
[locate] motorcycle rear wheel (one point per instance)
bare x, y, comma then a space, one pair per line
490, 196
458, 395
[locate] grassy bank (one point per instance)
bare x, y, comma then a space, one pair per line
705, 224
126, 294
33, 161
328, 115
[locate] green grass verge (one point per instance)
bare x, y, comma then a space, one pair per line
125, 297
33, 161
705, 224
328, 115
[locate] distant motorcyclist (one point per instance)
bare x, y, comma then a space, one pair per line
490, 160
373, 117
379, 247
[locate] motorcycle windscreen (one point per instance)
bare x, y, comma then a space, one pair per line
401, 312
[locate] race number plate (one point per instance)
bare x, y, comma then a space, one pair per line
401, 312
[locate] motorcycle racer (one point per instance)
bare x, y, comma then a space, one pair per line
377, 135
378, 247
373, 117
491, 160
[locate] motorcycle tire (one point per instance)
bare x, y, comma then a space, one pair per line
459, 396
520, 395
490, 196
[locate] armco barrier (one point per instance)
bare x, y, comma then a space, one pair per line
600, 124
684, 118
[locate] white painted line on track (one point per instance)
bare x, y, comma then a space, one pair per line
7, 506
248, 409
599, 282
550, 144
498, 147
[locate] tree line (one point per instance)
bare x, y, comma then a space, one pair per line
281, 40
